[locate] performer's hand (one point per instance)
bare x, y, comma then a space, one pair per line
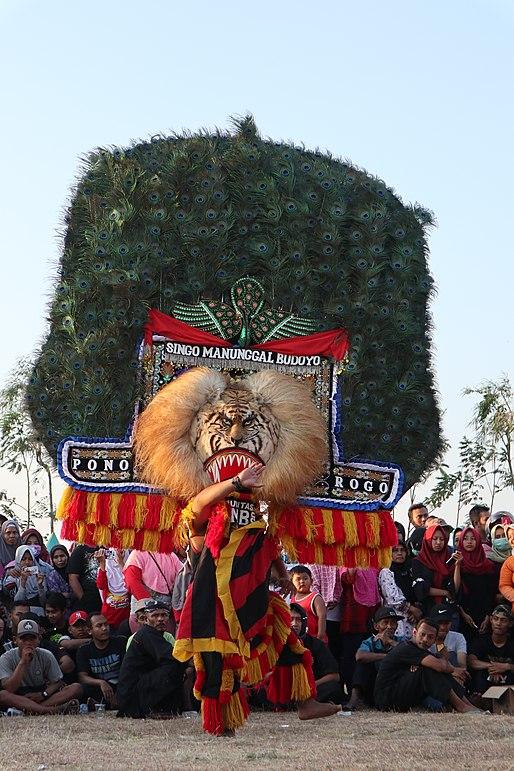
250, 477
286, 587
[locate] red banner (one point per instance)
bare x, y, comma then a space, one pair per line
333, 342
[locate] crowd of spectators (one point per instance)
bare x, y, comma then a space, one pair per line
92, 629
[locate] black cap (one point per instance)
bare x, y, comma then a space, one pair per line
157, 605
386, 612
443, 612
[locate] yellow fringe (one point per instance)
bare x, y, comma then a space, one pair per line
233, 715
289, 545
166, 514
227, 680
350, 529
66, 499
81, 532
139, 511
385, 556
252, 672
328, 525
151, 540
92, 499
318, 554
312, 530
300, 688
361, 556
113, 509
340, 552
185, 648
102, 535
126, 538
374, 521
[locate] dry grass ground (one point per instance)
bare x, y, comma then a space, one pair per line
367, 740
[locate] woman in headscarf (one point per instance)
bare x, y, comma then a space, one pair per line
432, 570
395, 584
500, 549
9, 542
57, 579
112, 587
478, 584
31, 584
32, 537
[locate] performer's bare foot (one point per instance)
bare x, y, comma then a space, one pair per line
311, 709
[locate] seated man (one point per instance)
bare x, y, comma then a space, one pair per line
410, 673
66, 663
324, 665
31, 679
369, 655
449, 645
150, 682
140, 615
99, 662
491, 656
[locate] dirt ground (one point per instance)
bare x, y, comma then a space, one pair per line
367, 740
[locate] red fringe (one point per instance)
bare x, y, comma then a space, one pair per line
103, 503
212, 715
338, 527
153, 506
126, 511
216, 530
77, 507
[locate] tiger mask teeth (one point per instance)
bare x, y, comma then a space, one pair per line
228, 463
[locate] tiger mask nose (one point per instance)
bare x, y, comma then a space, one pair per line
236, 433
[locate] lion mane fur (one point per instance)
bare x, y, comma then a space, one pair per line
166, 457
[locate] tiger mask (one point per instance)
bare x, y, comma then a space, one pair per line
204, 427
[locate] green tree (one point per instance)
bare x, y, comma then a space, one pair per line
486, 460
21, 452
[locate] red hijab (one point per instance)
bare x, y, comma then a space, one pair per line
435, 560
474, 561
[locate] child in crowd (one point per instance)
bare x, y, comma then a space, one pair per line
312, 602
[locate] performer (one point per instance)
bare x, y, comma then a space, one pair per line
241, 575
258, 439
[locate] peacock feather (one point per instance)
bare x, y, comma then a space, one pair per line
176, 222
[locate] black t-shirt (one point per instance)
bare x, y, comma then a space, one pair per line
102, 663
148, 650
323, 662
403, 658
83, 563
484, 649
478, 594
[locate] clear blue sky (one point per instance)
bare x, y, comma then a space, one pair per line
418, 93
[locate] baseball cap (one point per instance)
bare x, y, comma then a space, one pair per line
502, 610
79, 615
157, 605
444, 525
386, 612
443, 613
27, 627
141, 604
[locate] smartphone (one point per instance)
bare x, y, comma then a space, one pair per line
33, 570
